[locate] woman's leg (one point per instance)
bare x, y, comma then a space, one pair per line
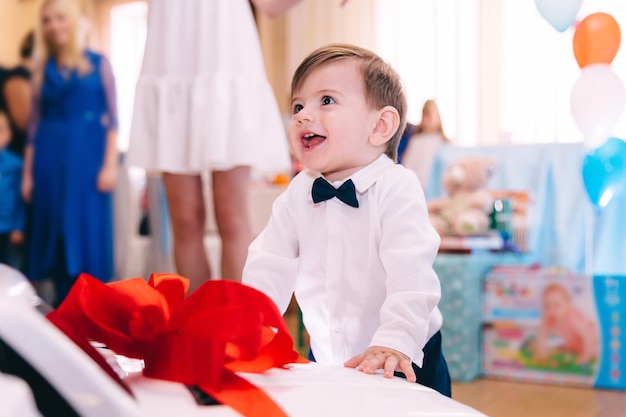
188, 217
230, 197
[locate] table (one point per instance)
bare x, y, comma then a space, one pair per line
312, 390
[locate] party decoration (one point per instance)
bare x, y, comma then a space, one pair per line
561, 14
596, 40
597, 101
604, 171
202, 340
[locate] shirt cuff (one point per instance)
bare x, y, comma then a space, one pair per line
402, 342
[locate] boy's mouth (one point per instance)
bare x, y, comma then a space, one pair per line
311, 140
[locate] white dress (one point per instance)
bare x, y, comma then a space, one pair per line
420, 154
203, 101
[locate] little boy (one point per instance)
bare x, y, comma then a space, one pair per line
12, 209
350, 235
566, 328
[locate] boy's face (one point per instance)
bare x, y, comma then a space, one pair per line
5, 131
555, 307
331, 121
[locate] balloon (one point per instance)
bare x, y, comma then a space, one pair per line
597, 101
561, 14
604, 171
596, 40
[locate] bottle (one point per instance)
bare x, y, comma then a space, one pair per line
502, 218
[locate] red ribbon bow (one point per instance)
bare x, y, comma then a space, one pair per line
222, 328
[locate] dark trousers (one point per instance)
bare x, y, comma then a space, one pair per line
10, 254
434, 371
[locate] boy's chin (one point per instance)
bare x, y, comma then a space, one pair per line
313, 165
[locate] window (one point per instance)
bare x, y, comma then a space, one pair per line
128, 37
499, 72
434, 46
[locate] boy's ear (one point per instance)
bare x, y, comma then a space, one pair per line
386, 126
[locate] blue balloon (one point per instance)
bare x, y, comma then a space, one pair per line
561, 14
604, 171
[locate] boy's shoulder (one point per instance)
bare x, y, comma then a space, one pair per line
399, 172
397, 178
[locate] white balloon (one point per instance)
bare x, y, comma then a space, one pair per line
561, 14
597, 102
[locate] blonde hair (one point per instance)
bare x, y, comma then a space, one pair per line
44, 50
383, 85
431, 106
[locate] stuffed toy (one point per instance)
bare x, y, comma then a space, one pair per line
465, 211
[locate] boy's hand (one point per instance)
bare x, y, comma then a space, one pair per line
16, 237
379, 357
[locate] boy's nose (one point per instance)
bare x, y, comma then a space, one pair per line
304, 116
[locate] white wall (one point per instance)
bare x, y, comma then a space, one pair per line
16, 19
500, 73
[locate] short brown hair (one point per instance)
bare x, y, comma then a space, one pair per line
383, 85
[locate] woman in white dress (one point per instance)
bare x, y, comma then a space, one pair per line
203, 103
420, 144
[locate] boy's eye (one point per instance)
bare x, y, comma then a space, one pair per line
296, 108
326, 100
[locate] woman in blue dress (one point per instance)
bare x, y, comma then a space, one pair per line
70, 163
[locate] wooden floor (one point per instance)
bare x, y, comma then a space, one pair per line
512, 399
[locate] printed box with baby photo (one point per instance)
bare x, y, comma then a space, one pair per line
552, 326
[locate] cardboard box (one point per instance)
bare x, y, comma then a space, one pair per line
549, 325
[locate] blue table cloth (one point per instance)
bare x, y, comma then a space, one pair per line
462, 278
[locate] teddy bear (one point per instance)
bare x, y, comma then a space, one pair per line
466, 209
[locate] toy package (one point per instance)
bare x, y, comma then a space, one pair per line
549, 325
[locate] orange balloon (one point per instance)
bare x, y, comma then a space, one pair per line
596, 40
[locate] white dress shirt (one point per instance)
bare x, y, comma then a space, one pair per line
362, 276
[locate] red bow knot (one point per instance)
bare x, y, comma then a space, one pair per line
222, 328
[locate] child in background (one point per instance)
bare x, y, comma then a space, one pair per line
565, 328
12, 208
350, 236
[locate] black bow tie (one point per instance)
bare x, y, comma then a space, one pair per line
323, 190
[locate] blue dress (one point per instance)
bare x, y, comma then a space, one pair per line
71, 220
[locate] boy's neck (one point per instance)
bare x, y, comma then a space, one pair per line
348, 172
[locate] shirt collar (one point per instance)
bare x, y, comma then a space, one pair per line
364, 178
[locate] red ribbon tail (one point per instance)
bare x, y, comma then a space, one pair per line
245, 398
